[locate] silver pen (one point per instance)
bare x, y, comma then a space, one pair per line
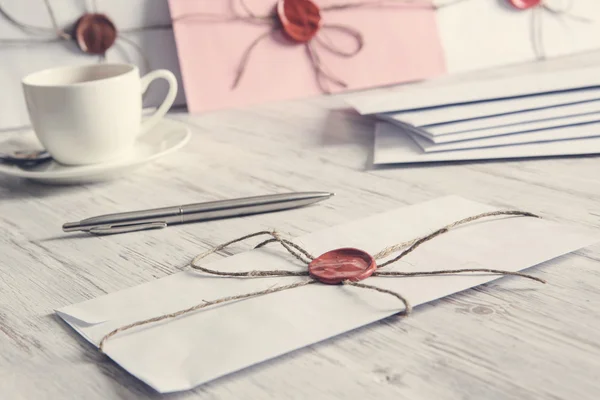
162, 217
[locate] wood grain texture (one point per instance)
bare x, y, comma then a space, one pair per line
503, 340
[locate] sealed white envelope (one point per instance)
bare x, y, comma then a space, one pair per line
187, 351
478, 34
132, 45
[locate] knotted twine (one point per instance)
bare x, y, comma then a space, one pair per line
538, 8
306, 258
94, 33
537, 17
300, 21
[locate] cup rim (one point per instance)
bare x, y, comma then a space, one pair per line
35, 79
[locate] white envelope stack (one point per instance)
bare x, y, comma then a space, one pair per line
548, 114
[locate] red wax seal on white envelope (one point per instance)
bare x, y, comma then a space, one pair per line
525, 4
95, 33
339, 265
300, 19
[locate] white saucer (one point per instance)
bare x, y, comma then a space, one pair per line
165, 138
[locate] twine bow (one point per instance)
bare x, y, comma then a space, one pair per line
538, 9
302, 22
342, 266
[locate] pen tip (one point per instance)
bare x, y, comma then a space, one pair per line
70, 226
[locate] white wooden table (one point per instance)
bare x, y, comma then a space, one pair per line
504, 340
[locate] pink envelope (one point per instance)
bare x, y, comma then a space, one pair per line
401, 44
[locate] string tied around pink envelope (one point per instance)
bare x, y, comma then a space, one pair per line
302, 22
559, 9
344, 266
94, 33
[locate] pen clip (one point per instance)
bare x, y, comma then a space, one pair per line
124, 228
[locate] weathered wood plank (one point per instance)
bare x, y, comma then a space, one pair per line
504, 340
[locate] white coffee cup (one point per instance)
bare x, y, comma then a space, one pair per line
91, 114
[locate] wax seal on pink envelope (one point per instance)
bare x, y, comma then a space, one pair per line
339, 265
300, 19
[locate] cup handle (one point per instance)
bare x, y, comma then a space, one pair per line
167, 102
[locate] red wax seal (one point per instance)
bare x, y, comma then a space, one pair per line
339, 265
95, 33
300, 19
525, 4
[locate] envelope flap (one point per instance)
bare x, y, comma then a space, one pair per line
77, 315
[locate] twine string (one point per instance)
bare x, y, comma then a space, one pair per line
140, 51
21, 25
537, 33
457, 271
289, 246
246, 8
218, 18
59, 32
325, 41
447, 4
241, 68
309, 256
537, 22
305, 257
413, 244
212, 17
323, 76
420, 4
60, 35
201, 306
407, 307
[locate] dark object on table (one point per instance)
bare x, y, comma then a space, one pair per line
25, 158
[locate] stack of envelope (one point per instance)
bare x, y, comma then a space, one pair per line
548, 114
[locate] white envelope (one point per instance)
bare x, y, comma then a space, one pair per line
396, 146
450, 132
496, 108
459, 94
158, 46
478, 34
587, 130
193, 349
